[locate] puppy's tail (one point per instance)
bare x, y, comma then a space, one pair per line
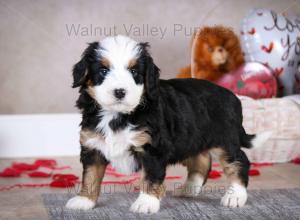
254, 141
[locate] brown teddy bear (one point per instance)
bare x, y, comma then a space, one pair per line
215, 51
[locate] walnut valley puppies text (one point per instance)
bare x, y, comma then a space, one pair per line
140, 30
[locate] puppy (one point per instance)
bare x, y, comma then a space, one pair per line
134, 121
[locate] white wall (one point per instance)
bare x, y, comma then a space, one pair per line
39, 135
37, 54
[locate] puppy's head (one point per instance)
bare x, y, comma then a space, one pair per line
118, 73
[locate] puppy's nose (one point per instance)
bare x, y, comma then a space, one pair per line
119, 93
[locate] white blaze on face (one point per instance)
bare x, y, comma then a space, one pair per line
119, 51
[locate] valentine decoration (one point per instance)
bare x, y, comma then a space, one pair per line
24, 166
61, 180
251, 79
39, 174
70, 180
10, 172
297, 160
254, 172
214, 174
297, 79
261, 164
208, 43
274, 40
64, 180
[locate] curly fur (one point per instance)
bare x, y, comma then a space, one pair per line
210, 38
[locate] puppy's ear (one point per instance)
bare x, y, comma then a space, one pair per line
151, 80
80, 69
79, 73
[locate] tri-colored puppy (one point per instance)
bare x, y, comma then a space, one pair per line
135, 121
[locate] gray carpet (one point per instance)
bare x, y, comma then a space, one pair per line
262, 204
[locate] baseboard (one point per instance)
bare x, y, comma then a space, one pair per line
41, 135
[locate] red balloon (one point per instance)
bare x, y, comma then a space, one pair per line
251, 79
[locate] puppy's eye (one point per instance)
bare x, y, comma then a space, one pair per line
103, 71
133, 71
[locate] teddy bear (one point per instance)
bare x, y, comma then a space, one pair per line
215, 51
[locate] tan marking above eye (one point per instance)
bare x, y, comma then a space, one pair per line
132, 63
105, 62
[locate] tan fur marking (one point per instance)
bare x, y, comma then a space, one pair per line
141, 138
231, 170
86, 135
92, 177
105, 62
132, 63
157, 190
90, 90
154, 189
89, 83
199, 164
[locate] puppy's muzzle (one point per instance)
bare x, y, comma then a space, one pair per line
119, 93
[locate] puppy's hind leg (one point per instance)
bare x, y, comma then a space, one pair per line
198, 168
236, 167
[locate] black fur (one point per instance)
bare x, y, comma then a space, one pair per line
184, 117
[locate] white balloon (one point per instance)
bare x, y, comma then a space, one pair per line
273, 40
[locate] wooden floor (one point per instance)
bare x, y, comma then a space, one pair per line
26, 203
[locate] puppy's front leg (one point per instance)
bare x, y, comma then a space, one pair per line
94, 165
152, 189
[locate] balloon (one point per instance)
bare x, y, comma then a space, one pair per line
297, 84
251, 79
273, 40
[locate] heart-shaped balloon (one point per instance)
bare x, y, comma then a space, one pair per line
273, 40
251, 79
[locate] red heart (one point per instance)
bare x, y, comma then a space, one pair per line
62, 183
70, 177
297, 160
10, 172
45, 162
25, 166
64, 180
252, 31
254, 172
278, 71
214, 174
268, 49
39, 174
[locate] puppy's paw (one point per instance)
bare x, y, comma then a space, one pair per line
191, 188
145, 204
235, 196
80, 202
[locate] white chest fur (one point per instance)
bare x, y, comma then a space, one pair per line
115, 145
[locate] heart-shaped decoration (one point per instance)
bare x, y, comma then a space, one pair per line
251, 79
275, 43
